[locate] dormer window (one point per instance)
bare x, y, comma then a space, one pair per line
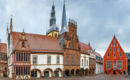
23, 44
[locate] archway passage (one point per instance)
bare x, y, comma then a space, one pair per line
35, 73
77, 72
72, 72
58, 73
66, 73
48, 72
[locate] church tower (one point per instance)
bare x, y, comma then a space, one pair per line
53, 30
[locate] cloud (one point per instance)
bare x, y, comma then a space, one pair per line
98, 20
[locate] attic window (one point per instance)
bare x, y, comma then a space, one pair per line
120, 54
23, 44
108, 55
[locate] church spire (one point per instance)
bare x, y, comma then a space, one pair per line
64, 21
11, 25
53, 18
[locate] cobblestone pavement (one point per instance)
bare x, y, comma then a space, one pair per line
95, 77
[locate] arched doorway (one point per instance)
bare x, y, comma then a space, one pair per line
35, 73
66, 73
72, 72
58, 72
48, 72
77, 72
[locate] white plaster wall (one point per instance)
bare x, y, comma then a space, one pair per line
10, 72
87, 59
99, 68
42, 58
10, 66
42, 62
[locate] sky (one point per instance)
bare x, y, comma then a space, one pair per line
97, 20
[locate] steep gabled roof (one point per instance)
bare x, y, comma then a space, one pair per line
3, 48
84, 47
37, 43
114, 46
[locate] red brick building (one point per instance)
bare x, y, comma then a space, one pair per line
115, 60
3, 60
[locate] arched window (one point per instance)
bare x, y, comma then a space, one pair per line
23, 44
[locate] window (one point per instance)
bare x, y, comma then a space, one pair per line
118, 49
114, 55
82, 62
87, 62
23, 45
34, 59
67, 59
119, 64
114, 50
16, 56
108, 55
110, 49
117, 45
17, 72
58, 59
114, 43
120, 54
48, 59
111, 45
108, 64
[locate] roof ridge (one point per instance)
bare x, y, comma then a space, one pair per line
37, 35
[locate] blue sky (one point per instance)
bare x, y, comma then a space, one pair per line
98, 20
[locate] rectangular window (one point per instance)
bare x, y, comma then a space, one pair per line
119, 64
16, 56
67, 59
82, 62
17, 71
58, 59
34, 59
24, 57
108, 65
48, 59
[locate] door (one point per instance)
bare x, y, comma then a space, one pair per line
46, 73
114, 65
56, 73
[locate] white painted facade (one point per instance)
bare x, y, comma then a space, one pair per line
99, 68
42, 63
84, 61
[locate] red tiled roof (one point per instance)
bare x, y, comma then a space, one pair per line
84, 47
38, 43
3, 48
